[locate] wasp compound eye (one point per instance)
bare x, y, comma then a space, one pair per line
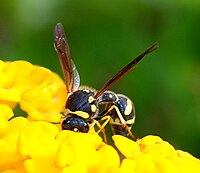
76, 124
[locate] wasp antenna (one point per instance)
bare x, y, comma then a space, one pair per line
131, 66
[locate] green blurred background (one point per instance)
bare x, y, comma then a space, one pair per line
104, 36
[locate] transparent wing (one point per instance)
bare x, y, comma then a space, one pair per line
75, 76
71, 77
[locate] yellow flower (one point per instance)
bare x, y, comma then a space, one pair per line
152, 154
34, 144
91, 155
9, 135
46, 98
38, 91
6, 114
47, 149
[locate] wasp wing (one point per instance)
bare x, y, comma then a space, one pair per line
76, 77
71, 76
131, 66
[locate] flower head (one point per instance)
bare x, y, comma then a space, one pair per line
35, 144
152, 154
38, 91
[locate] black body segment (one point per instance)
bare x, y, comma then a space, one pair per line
75, 123
82, 102
120, 130
107, 97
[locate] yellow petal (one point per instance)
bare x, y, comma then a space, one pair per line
149, 139
80, 168
77, 147
10, 160
14, 165
109, 160
165, 165
5, 114
145, 163
11, 104
188, 162
38, 141
156, 146
11, 94
128, 166
46, 100
126, 146
15, 127
13, 80
86, 152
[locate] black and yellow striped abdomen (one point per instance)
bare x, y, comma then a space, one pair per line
122, 113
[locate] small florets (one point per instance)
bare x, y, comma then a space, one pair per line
34, 144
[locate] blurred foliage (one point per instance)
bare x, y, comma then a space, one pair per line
104, 36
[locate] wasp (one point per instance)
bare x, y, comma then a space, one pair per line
82, 108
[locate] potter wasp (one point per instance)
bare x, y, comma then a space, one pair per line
83, 103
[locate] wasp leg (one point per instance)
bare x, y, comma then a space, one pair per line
124, 123
129, 131
121, 118
118, 113
101, 129
107, 119
91, 125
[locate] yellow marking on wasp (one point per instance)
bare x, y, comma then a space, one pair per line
131, 121
68, 94
121, 119
120, 115
129, 107
110, 95
117, 120
78, 113
86, 90
90, 99
124, 123
93, 108
75, 130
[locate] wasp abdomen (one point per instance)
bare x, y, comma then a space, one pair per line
122, 114
107, 97
120, 130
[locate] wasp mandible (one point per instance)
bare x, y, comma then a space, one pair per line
82, 105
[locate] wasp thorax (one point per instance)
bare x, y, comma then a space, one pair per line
82, 103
